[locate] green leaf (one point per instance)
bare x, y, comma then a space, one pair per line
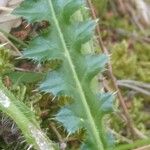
106, 102
70, 8
95, 64
25, 77
48, 50
55, 84
87, 146
70, 121
39, 12
83, 31
64, 41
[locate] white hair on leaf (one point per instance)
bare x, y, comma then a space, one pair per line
41, 140
4, 100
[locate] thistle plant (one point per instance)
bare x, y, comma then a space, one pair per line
64, 41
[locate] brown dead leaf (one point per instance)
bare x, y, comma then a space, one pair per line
7, 20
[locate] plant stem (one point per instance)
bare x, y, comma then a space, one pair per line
30, 129
81, 92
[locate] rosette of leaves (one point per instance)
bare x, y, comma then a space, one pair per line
64, 41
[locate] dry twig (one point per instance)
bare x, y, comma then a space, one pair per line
136, 86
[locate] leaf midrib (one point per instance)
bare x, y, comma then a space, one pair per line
81, 92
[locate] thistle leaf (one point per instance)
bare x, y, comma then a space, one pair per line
106, 102
95, 64
43, 47
55, 84
39, 12
70, 121
72, 78
81, 32
70, 8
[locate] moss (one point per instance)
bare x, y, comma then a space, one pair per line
143, 51
131, 63
123, 61
117, 22
5, 64
143, 59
